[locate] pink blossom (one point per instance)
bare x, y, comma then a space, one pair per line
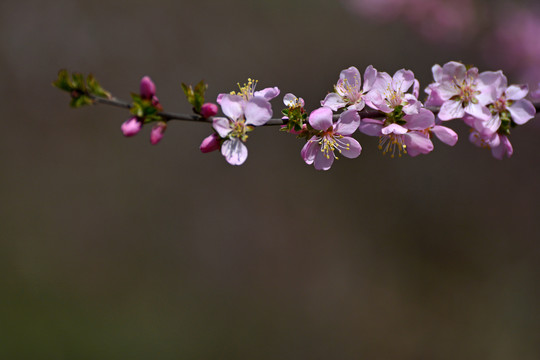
320, 149
131, 127
242, 115
291, 101
210, 143
348, 90
248, 92
157, 132
461, 91
389, 93
499, 144
410, 135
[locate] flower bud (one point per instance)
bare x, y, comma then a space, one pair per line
209, 109
148, 88
131, 127
157, 132
210, 143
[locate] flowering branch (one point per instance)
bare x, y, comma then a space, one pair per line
381, 105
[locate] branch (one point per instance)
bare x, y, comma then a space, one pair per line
366, 113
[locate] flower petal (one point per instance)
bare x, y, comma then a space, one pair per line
322, 162
446, 135
268, 93
451, 109
321, 118
348, 122
402, 80
353, 149
522, 111
232, 106
503, 149
235, 151
371, 127
370, 77
479, 111
309, 150
516, 92
393, 129
258, 111
351, 77
423, 120
417, 143
333, 101
222, 126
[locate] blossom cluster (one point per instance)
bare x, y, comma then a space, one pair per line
402, 122
374, 104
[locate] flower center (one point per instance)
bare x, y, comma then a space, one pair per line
393, 98
350, 91
247, 91
330, 142
392, 143
240, 130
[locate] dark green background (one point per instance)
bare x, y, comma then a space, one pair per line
111, 248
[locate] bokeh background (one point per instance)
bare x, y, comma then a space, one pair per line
111, 248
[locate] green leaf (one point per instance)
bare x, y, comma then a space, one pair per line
95, 88
63, 81
78, 82
81, 100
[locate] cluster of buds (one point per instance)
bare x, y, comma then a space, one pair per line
145, 109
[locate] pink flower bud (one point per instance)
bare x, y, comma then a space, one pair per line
131, 127
210, 143
148, 88
209, 109
157, 132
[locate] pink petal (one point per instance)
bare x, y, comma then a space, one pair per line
354, 148
446, 135
309, 150
352, 78
348, 122
235, 151
393, 129
503, 149
522, 111
417, 143
222, 126
478, 111
258, 111
516, 92
451, 109
370, 76
268, 93
321, 118
333, 101
423, 120
403, 80
232, 106
322, 162
371, 127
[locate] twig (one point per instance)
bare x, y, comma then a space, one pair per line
366, 113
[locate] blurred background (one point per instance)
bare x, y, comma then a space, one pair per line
111, 248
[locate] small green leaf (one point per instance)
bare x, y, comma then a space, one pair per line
81, 100
63, 81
